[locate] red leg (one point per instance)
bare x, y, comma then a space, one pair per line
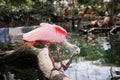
61, 63
53, 63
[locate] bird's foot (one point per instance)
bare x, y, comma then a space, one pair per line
54, 69
63, 66
58, 69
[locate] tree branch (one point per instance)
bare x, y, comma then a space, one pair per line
43, 61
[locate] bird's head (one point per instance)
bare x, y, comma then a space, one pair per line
75, 50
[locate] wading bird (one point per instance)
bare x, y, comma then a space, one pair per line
48, 34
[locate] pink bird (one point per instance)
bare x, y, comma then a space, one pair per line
48, 34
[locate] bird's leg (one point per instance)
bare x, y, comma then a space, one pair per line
61, 63
53, 63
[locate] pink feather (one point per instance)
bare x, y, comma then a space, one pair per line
46, 32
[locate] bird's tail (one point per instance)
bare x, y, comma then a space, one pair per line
31, 43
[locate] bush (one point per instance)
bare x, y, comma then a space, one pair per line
92, 52
23, 14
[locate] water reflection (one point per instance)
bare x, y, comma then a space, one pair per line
105, 43
86, 70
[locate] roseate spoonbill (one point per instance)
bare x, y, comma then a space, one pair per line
49, 34
94, 23
106, 23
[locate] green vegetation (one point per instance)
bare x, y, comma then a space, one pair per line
92, 52
113, 55
24, 12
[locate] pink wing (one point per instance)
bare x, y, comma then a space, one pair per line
46, 32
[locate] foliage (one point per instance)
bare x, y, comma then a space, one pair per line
74, 11
92, 52
18, 2
24, 12
94, 4
113, 55
99, 10
118, 8
82, 1
42, 11
89, 2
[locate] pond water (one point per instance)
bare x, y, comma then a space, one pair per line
80, 69
87, 70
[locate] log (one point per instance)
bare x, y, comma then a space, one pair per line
43, 60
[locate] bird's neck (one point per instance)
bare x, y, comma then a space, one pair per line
67, 44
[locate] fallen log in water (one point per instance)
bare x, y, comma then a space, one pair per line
112, 30
43, 60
